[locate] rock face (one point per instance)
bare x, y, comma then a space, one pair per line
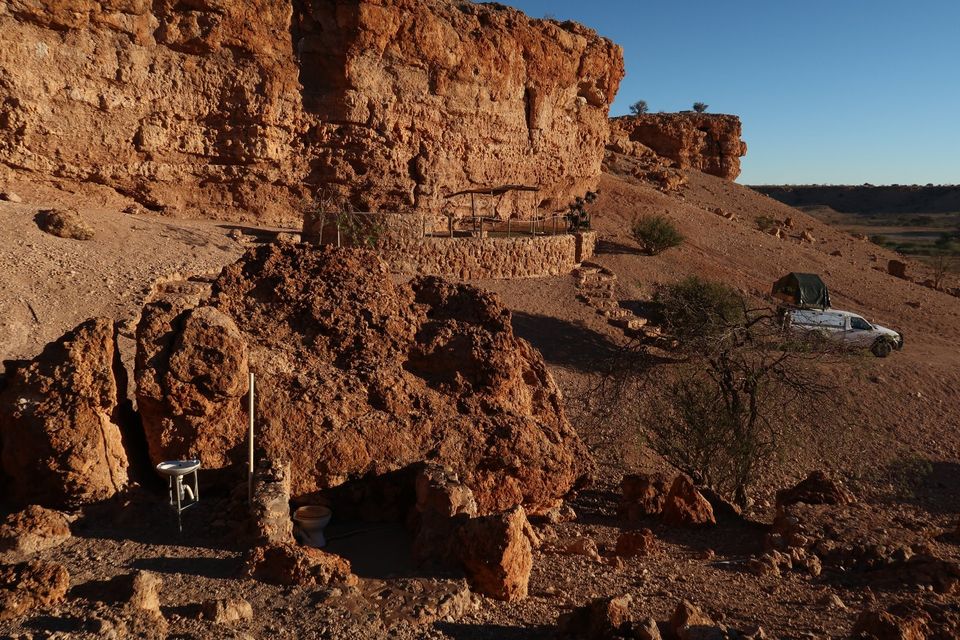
61, 444
708, 142
227, 109
357, 375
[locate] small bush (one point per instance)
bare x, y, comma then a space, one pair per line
766, 223
656, 233
698, 311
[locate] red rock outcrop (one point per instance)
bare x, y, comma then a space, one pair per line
816, 488
30, 585
33, 529
636, 543
685, 506
497, 555
358, 374
228, 109
705, 141
292, 564
643, 494
602, 619
58, 413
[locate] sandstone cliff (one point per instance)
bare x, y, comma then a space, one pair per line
230, 109
705, 141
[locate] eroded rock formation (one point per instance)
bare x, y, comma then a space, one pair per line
705, 141
227, 109
61, 443
357, 375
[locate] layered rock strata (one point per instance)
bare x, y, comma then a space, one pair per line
241, 109
704, 141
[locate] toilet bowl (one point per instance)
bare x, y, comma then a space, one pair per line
310, 521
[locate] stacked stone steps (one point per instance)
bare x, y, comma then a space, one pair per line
596, 286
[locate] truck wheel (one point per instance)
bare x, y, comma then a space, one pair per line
881, 348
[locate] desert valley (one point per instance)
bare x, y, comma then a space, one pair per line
518, 366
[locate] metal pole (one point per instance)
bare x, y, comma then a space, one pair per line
250, 444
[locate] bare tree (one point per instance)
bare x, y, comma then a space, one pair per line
639, 107
700, 107
730, 403
941, 268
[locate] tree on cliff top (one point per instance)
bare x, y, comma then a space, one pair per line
639, 108
700, 107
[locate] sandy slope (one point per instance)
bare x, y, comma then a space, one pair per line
49, 284
907, 405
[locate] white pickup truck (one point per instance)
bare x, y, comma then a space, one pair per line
846, 327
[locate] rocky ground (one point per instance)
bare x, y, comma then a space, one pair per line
889, 543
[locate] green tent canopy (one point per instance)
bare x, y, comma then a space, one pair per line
803, 290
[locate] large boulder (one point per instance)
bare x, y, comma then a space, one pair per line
192, 376
685, 506
58, 421
497, 554
882, 625
357, 375
64, 223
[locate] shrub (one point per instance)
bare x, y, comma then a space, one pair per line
766, 223
697, 311
639, 107
700, 107
732, 411
577, 217
656, 233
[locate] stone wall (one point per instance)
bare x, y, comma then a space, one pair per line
476, 258
229, 109
705, 141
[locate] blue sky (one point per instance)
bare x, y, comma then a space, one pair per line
829, 91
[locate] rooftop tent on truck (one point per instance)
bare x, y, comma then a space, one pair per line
802, 290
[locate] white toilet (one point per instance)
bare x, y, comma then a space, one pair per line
310, 521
